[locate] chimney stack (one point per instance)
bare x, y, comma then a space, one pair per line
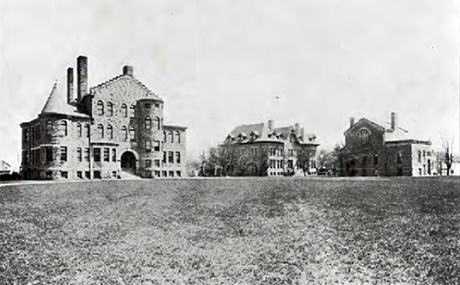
82, 77
69, 85
270, 125
393, 121
296, 127
128, 70
352, 121
302, 134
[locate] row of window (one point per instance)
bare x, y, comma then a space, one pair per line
168, 157
108, 109
275, 164
275, 151
425, 154
34, 156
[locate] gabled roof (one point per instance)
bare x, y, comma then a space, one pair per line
128, 77
56, 104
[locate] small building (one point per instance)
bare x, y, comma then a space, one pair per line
5, 167
373, 149
263, 150
113, 130
454, 169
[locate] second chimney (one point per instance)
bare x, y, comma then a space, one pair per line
393, 121
352, 121
82, 77
270, 125
69, 85
128, 70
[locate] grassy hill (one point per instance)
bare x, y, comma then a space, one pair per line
224, 231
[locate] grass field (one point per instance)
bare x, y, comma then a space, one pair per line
232, 231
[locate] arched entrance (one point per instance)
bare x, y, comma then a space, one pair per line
429, 167
128, 162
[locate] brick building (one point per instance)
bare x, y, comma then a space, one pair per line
115, 129
386, 149
277, 148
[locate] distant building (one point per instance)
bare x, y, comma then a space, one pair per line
454, 169
5, 167
115, 129
385, 149
263, 150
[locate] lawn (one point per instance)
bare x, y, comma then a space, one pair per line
232, 231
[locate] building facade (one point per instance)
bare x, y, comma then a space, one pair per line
113, 130
373, 149
263, 150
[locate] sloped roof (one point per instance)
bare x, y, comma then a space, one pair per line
57, 104
129, 77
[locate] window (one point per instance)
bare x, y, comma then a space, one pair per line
171, 136
164, 156
157, 123
399, 157
376, 159
79, 174
114, 174
363, 136
132, 111
87, 130
26, 135
124, 133
79, 154
114, 154
106, 154
110, 132
100, 108
87, 174
64, 128
87, 154
419, 156
157, 162
148, 105
79, 130
178, 136
49, 153
364, 162
157, 105
97, 154
171, 173
109, 109
124, 110
156, 146
132, 133
148, 145
26, 157
178, 173
64, 174
147, 123
97, 174
148, 174
157, 173
177, 157
49, 127
171, 157
148, 163
164, 136
164, 173
424, 154
100, 131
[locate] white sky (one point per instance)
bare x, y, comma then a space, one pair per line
220, 63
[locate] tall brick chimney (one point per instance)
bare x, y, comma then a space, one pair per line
352, 121
69, 85
394, 123
82, 77
128, 70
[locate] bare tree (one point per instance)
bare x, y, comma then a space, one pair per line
448, 155
259, 161
223, 158
303, 156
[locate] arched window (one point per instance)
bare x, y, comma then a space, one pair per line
49, 127
132, 111
100, 131
124, 110
110, 132
363, 135
109, 109
64, 128
419, 156
164, 136
100, 108
147, 123
87, 130
124, 133
157, 123
171, 136
79, 130
132, 133
178, 136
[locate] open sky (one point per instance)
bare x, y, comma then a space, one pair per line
221, 63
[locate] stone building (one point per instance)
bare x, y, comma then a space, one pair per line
263, 150
113, 130
373, 149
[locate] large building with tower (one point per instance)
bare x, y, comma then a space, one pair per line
112, 130
375, 149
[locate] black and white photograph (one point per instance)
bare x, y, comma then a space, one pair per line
283, 142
